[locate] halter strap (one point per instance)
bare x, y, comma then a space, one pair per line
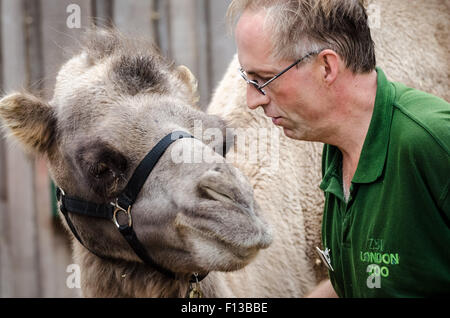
123, 204
140, 175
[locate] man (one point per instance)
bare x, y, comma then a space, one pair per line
386, 161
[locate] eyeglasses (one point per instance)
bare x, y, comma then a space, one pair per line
259, 88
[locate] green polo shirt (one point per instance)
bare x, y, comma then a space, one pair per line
392, 237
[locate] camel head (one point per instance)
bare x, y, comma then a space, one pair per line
112, 103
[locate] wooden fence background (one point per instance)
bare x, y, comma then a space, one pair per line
35, 40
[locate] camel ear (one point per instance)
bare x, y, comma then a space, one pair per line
29, 120
189, 79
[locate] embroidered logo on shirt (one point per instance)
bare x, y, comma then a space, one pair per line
379, 262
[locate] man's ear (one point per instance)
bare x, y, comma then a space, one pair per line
191, 82
329, 60
30, 121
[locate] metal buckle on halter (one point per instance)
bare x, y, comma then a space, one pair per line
117, 209
59, 198
59, 194
194, 288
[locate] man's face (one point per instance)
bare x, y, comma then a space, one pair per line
292, 100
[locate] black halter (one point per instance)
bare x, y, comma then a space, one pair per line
123, 204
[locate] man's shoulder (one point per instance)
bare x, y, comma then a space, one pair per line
421, 117
420, 105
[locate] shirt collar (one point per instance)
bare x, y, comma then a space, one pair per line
373, 155
374, 151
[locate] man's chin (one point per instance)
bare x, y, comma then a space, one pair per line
289, 133
295, 134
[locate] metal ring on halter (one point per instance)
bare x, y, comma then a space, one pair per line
118, 209
194, 288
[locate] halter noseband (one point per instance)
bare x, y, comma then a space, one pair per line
123, 204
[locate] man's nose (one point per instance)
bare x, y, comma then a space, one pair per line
255, 98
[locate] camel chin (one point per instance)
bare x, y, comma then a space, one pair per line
214, 247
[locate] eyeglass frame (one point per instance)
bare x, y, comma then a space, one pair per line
259, 88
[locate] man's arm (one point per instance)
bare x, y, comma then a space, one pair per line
323, 290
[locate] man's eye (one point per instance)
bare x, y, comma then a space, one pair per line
261, 79
253, 78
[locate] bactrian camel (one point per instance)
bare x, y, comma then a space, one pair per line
118, 97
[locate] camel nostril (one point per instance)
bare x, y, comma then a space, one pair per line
224, 186
213, 194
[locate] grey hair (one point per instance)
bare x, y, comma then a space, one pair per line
301, 26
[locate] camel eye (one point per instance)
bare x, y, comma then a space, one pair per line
99, 170
103, 168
